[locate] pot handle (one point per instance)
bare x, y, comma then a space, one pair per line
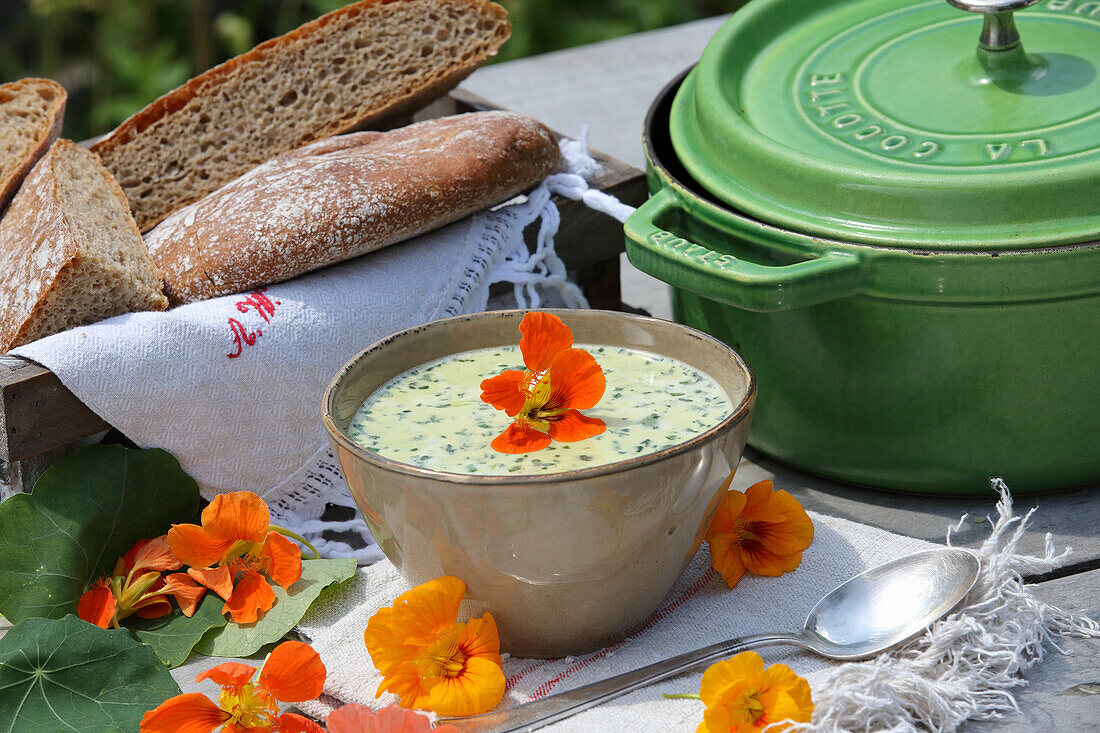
723, 277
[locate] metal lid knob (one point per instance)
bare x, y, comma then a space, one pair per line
999, 32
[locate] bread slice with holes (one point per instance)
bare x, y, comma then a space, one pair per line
353, 68
31, 111
70, 251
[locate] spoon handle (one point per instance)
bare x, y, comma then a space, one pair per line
551, 709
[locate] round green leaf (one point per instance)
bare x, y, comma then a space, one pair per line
84, 513
242, 640
69, 675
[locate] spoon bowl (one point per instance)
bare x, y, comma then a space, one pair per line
889, 604
878, 609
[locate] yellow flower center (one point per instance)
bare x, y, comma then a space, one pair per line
245, 555
532, 411
745, 708
249, 707
444, 657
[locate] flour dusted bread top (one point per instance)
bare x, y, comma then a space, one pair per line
31, 111
355, 67
69, 250
345, 196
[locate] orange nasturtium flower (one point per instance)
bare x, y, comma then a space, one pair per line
761, 531
137, 587
354, 718
292, 673
431, 661
741, 696
231, 551
544, 399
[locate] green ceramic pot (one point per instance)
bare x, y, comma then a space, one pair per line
894, 346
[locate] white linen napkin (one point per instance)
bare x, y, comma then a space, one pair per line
232, 386
964, 667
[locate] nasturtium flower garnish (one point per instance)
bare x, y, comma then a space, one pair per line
292, 673
544, 400
354, 718
233, 549
741, 696
137, 587
761, 531
431, 661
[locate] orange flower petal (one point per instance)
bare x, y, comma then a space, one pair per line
386, 650
284, 560
726, 558
291, 723
153, 608
393, 719
576, 380
293, 673
725, 516
195, 546
230, 675
154, 554
758, 561
543, 337
219, 580
759, 504
190, 713
186, 591
97, 605
423, 613
480, 638
505, 391
238, 515
572, 426
405, 682
720, 675
520, 439
252, 597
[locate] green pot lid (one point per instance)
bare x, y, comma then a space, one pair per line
888, 122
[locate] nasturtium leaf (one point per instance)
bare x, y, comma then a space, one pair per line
173, 637
68, 675
242, 640
84, 513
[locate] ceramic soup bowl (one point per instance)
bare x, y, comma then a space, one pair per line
566, 562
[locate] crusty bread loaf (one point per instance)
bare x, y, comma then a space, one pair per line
349, 69
69, 250
345, 196
31, 111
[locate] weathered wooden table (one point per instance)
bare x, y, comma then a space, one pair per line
609, 86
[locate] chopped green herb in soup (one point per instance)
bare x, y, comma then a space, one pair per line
432, 416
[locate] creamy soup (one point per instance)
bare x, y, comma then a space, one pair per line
432, 416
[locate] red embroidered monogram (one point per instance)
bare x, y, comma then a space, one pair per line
264, 306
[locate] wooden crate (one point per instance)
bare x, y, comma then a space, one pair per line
40, 419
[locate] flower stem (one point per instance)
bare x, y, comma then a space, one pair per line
295, 536
684, 696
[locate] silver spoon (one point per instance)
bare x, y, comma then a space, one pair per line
877, 609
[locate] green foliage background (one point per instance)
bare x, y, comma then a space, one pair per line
115, 56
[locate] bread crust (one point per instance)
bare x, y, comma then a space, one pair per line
345, 196
48, 134
207, 83
40, 253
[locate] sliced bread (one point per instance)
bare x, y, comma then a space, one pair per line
349, 69
345, 196
31, 111
70, 251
